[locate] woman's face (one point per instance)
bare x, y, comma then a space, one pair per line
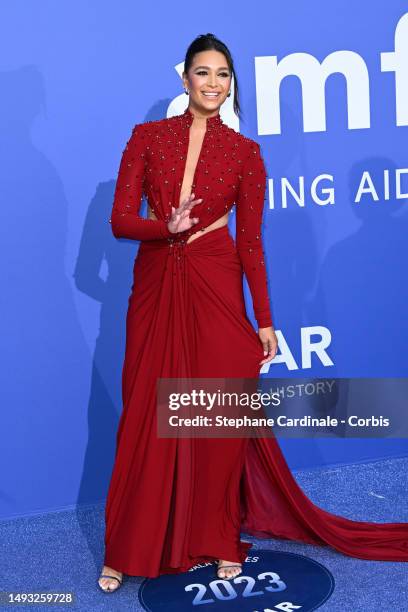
208, 74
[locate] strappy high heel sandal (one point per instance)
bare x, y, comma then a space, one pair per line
222, 567
107, 589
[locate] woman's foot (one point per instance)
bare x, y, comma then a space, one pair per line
110, 579
228, 569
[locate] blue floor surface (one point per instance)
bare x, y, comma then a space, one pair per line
63, 551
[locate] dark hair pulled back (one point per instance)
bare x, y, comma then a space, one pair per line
207, 42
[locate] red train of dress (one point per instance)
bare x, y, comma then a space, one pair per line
172, 502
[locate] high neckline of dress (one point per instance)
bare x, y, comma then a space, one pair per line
212, 122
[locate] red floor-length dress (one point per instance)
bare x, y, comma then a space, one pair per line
173, 503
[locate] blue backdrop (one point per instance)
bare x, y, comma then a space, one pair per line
324, 90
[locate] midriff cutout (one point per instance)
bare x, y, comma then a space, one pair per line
218, 223
215, 225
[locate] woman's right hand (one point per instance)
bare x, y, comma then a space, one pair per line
180, 220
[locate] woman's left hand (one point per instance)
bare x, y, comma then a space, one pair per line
269, 342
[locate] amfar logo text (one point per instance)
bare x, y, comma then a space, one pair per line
309, 346
269, 74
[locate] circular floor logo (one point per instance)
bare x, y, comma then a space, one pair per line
271, 582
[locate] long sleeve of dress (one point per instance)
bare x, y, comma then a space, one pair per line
125, 218
249, 210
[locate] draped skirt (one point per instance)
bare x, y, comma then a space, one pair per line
175, 502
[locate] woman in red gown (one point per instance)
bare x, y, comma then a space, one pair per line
173, 503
